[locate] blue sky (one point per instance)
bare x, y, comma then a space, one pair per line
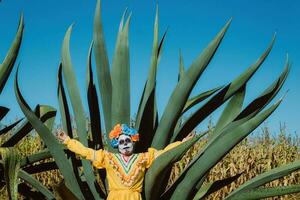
192, 24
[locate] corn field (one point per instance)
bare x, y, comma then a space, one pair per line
253, 156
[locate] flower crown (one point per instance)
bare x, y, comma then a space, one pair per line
122, 129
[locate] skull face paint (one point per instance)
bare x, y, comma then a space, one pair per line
125, 146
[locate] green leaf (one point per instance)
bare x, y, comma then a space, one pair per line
221, 97
77, 105
261, 193
11, 168
182, 91
95, 118
266, 177
93, 105
267, 95
102, 68
120, 76
210, 188
11, 56
66, 123
36, 184
51, 142
260, 102
229, 137
181, 66
10, 127
157, 172
148, 95
45, 113
147, 124
29, 160
199, 98
189, 104
63, 104
232, 110
248, 112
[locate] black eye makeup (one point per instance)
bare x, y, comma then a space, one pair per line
127, 140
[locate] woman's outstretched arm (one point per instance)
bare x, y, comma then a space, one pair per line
96, 156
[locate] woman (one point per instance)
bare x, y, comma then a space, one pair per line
125, 170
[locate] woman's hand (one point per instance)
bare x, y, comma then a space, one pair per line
188, 137
61, 135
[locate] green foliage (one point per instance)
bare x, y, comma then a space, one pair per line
235, 123
11, 164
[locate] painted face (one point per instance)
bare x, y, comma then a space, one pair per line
125, 145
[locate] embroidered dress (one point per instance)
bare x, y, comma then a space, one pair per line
125, 178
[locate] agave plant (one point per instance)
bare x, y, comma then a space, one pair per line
235, 123
10, 159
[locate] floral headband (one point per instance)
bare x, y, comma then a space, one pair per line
122, 129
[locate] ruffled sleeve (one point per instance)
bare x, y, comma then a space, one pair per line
154, 153
96, 156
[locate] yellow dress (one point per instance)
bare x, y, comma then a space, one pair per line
125, 179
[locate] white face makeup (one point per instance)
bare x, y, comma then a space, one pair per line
125, 145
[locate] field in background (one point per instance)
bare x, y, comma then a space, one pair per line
254, 155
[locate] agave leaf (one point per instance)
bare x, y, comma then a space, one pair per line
120, 76
49, 113
78, 110
212, 187
260, 102
190, 103
147, 118
266, 177
10, 127
66, 123
161, 166
94, 114
36, 184
93, 105
11, 168
232, 109
182, 91
45, 113
261, 193
3, 112
63, 104
149, 91
155, 113
199, 98
35, 157
161, 45
266, 97
102, 68
72, 88
140, 105
147, 124
219, 148
11, 56
221, 97
181, 66
50, 141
